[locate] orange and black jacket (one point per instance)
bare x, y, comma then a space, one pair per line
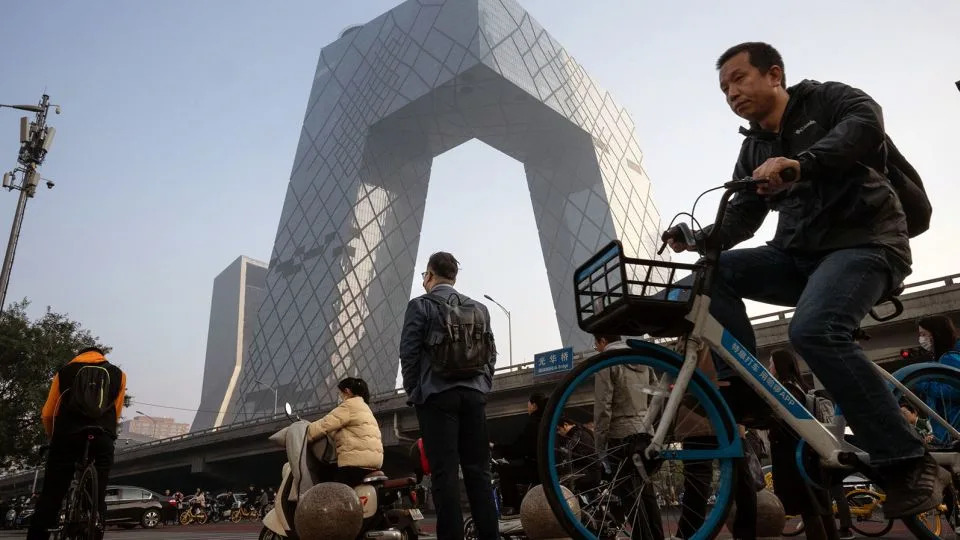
65, 422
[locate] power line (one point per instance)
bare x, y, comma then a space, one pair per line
176, 408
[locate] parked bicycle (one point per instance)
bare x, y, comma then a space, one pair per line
193, 514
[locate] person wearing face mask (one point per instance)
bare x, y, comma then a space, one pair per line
938, 336
447, 355
354, 430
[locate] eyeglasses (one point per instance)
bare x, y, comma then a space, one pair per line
423, 275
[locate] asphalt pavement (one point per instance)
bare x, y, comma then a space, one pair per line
251, 530
225, 531
209, 531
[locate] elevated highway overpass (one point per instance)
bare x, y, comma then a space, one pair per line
235, 455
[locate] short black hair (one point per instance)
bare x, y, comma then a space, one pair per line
908, 406
566, 421
762, 56
90, 349
444, 265
539, 400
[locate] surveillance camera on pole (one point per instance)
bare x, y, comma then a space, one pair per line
36, 138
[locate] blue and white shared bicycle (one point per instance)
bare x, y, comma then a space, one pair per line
690, 442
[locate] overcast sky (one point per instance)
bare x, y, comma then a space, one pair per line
180, 120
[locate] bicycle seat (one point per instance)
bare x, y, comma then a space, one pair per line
891, 294
92, 430
891, 297
375, 477
394, 483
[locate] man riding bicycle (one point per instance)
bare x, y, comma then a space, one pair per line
841, 245
85, 400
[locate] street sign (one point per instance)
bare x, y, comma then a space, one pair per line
549, 362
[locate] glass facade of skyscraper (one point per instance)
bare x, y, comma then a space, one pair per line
387, 98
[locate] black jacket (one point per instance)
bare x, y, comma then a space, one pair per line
843, 199
525, 446
579, 455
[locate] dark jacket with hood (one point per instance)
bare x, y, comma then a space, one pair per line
843, 200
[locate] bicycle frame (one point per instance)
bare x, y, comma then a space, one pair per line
710, 333
707, 332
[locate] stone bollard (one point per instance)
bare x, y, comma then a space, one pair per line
330, 511
770, 515
537, 518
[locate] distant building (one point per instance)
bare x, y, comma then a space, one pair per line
151, 427
237, 294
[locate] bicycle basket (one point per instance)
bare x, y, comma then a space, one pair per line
631, 297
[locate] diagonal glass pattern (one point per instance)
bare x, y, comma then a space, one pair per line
387, 98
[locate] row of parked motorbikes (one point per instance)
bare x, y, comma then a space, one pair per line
17, 514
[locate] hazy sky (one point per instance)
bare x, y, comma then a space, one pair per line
180, 120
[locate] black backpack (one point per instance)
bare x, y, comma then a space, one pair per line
463, 347
90, 392
909, 187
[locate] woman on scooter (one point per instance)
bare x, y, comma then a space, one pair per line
355, 432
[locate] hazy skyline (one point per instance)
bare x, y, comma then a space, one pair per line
180, 121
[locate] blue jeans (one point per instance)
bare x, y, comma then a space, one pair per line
832, 293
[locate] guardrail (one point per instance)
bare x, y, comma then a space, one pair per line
383, 396
944, 281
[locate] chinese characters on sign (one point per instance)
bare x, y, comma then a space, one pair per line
556, 361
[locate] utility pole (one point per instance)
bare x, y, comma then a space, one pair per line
35, 141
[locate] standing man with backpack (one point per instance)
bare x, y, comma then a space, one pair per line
848, 204
447, 356
86, 398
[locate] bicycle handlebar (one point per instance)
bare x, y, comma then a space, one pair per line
681, 230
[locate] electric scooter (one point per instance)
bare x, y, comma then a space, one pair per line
385, 514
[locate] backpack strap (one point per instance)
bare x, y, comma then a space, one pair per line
439, 300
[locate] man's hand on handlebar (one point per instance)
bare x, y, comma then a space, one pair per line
679, 246
773, 170
679, 238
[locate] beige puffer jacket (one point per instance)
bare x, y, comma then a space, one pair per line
355, 431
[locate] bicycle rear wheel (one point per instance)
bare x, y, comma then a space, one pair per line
81, 519
866, 512
689, 485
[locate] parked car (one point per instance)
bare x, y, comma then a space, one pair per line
129, 506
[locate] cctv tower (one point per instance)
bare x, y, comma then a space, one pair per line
388, 97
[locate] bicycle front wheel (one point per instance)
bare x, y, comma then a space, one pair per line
685, 490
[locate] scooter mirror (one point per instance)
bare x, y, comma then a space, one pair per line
288, 408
